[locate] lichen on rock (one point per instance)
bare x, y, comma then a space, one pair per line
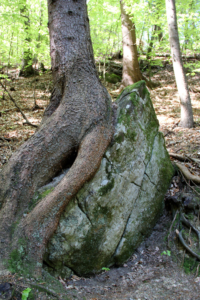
111, 214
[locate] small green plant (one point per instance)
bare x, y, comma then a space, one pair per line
25, 294
168, 253
105, 269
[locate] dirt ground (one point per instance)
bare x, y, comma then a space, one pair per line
147, 275
152, 272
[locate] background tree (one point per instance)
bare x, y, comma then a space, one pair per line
131, 70
75, 132
105, 25
27, 61
105, 28
186, 108
13, 31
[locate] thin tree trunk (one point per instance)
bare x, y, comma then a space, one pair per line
181, 81
131, 70
26, 68
77, 125
155, 35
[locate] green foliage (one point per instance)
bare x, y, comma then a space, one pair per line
190, 266
45, 193
192, 68
112, 78
105, 269
23, 27
25, 293
105, 24
168, 253
16, 260
38, 197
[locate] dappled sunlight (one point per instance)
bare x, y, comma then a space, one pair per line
165, 99
163, 119
14, 130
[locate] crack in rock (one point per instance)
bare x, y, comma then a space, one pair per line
83, 211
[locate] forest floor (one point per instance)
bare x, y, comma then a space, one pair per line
149, 273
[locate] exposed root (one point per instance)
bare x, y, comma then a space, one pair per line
181, 239
44, 289
44, 218
187, 174
189, 225
185, 202
184, 158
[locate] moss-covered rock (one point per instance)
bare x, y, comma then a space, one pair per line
112, 78
111, 215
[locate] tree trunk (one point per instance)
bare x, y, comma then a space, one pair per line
131, 70
181, 81
26, 68
75, 132
156, 34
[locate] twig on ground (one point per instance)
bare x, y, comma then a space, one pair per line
195, 160
170, 131
170, 229
5, 139
183, 258
35, 106
11, 98
6, 142
176, 124
197, 271
178, 150
8, 110
44, 289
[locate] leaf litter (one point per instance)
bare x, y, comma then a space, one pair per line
148, 274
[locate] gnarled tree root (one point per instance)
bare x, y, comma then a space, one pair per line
44, 218
187, 174
189, 225
184, 158
181, 239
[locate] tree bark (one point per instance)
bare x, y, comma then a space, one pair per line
131, 70
181, 81
75, 132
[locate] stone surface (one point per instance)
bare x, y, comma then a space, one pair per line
111, 215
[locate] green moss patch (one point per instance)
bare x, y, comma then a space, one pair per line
190, 265
112, 78
106, 188
37, 197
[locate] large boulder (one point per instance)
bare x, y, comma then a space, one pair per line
111, 215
